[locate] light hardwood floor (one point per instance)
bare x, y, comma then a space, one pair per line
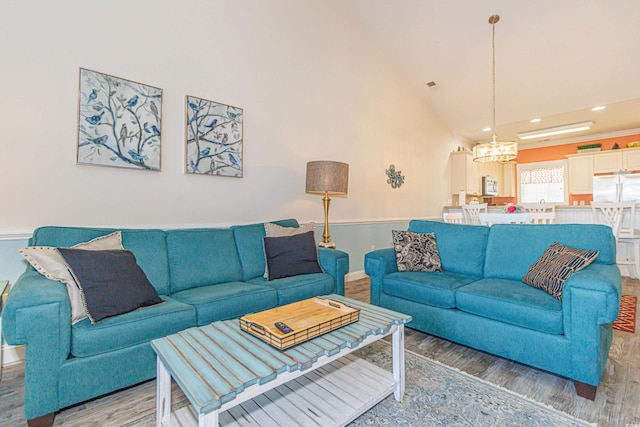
617, 402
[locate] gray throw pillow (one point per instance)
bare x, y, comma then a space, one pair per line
111, 282
289, 256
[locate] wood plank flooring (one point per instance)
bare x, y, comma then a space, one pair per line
617, 402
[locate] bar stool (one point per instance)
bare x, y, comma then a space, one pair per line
471, 212
620, 216
542, 213
453, 217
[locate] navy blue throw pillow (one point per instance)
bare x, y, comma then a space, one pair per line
291, 255
111, 281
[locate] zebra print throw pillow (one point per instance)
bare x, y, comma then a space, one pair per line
416, 252
555, 266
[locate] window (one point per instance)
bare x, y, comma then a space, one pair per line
542, 181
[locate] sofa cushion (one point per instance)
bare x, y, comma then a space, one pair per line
202, 257
227, 300
48, 262
416, 252
512, 248
555, 266
148, 245
512, 302
289, 256
275, 230
111, 282
250, 248
136, 327
292, 289
461, 247
435, 289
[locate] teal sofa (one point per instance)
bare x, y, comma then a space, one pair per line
480, 300
203, 275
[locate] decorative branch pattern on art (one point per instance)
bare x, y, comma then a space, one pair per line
214, 138
119, 122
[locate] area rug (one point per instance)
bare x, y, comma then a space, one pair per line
626, 320
438, 395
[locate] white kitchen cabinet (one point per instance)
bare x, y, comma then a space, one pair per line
611, 161
580, 173
507, 187
631, 159
607, 162
465, 174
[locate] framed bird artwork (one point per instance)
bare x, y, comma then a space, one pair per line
118, 122
213, 138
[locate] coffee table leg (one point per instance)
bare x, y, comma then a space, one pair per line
208, 420
397, 339
163, 393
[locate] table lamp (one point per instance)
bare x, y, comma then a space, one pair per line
327, 177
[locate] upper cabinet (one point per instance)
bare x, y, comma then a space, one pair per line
508, 186
608, 161
581, 173
465, 174
611, 161
631, 159
583, 166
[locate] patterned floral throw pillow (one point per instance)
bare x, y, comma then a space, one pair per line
554, 267
416, 252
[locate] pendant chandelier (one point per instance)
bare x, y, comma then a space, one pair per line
495, 151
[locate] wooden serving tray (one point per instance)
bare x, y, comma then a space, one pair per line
308, 319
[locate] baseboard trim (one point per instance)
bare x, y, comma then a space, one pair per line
12, 354
355, 275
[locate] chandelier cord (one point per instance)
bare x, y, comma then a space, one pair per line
493, 47
494, 151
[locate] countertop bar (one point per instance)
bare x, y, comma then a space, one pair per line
501, 207
565, 214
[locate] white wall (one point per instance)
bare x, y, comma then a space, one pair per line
312, 85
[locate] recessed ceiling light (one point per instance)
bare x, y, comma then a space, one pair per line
486, 129
536, 120
598, 108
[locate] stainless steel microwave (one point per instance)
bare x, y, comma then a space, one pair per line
489, 186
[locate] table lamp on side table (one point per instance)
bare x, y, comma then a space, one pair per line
327, 177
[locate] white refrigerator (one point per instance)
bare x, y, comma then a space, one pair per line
616, 187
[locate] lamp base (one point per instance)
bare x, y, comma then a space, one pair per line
329, 245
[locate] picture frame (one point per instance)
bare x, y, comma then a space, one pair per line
213, 138
119, 122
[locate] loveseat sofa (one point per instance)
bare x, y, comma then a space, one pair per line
202, 275
480, 300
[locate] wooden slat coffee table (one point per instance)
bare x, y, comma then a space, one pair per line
232, 378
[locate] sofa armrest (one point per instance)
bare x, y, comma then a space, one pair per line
38, 314
49, 329
590, 303
377, 265
601, 285
335, 263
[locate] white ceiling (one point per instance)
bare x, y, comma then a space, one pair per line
555, 60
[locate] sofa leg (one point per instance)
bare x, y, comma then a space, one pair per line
587, 391
42, 421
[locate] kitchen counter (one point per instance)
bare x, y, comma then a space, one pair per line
565, 214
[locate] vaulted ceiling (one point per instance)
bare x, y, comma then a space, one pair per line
555, 60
